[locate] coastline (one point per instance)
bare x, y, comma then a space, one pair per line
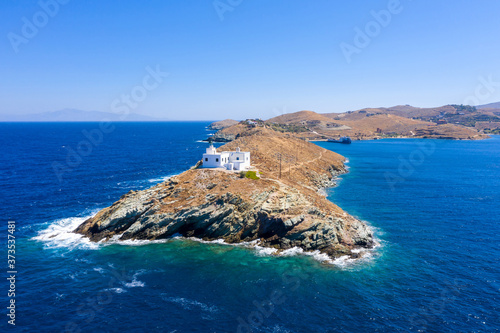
59, 234
322, 186
488, 136
280, 212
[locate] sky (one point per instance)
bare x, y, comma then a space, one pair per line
209, 60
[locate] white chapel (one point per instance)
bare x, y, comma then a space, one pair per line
230, 160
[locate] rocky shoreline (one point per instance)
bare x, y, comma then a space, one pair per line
279, 213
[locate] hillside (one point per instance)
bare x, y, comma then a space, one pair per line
218, 125
489, 106
463, 115
301, 117
281, 206
372, 123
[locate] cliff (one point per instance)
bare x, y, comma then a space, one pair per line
281, 209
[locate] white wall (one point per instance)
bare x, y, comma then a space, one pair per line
212, 159
241, 160
215, 160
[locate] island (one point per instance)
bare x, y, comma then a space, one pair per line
277, 201
457, 122
277, 198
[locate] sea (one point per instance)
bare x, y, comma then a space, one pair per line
433, 206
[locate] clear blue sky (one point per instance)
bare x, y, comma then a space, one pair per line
264, 58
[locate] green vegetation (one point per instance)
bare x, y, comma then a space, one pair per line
464, 108
495, 131
390, 135
469, 120
249, 174
465, 115
252, 122
293, 128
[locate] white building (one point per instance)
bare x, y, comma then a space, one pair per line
230, 160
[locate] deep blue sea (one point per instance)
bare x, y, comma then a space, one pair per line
434, 206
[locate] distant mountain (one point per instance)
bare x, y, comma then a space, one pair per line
489, 106
76, 115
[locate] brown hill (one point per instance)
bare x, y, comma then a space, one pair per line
301, 117
406, 111
279, 209
372, 123
464, 115
218, 125
489, 106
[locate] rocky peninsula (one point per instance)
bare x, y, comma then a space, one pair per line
280, 205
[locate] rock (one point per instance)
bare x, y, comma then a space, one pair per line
223, 137
215, 204
279, 218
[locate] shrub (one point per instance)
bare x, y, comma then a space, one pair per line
251, 175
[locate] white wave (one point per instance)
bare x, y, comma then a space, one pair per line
321, 257
85, 260
135, 282
59, 234
292, 252
261, 251
188, 304
160, 179
199, 240
99, 269
131, 242
265, 251
117, 290
317, 255
343, 261
217, 241
77, 275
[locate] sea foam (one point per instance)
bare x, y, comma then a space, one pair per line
160, 179
59, 234
189, 304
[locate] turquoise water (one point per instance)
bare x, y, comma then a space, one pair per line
433, 206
